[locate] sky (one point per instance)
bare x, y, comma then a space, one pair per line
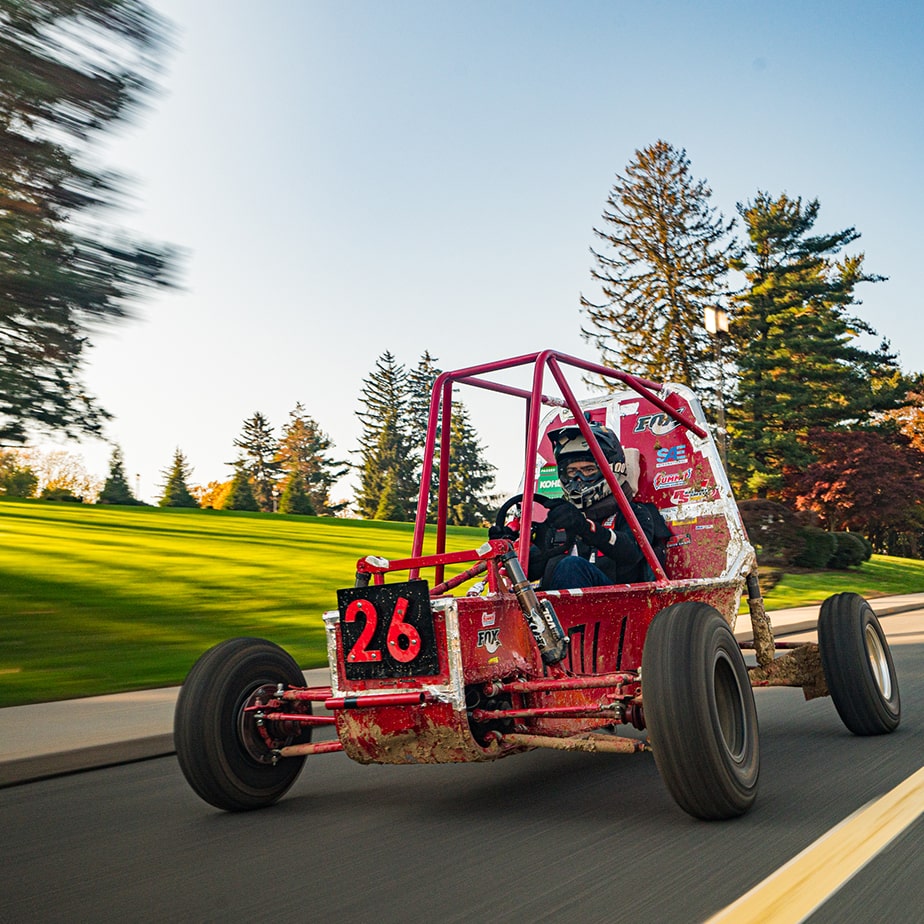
349, 177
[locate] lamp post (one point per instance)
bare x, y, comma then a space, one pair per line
716, 320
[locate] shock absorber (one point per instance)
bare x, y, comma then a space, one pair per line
540, 615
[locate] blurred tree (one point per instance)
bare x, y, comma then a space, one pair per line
259, 447
59, 470
16, 480
70, 70
389, 461
302, 455
176, 493
116, 489
799, 365
213, 495
295, 498
240, 497
869, 481
665, 256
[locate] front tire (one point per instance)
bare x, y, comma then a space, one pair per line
218, 745
858, 666
700, 712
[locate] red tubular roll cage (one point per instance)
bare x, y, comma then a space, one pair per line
441, 400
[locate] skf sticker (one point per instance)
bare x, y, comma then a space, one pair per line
488, 638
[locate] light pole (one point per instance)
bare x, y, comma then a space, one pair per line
716, 320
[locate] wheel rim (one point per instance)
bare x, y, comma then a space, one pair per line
878, 662
729, 707
253, 743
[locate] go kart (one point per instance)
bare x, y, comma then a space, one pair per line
456, 656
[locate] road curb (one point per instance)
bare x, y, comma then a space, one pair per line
46, 766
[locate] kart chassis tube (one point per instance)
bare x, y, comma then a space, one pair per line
535, 399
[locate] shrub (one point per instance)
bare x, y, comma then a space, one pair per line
773, 530
820, 546
867, 545
60, 494
849, 552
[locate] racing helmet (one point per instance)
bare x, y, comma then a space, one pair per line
569, 446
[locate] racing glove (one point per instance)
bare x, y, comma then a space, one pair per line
571, 520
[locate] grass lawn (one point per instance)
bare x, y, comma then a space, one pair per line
97, 599
104, 599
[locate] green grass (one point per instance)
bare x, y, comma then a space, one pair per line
105, 599
879, 576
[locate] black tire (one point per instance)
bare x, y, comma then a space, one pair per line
858, 666
221, 754
700, 713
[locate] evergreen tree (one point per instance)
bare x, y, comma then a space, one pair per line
295, 498
116, 489
259, 448
664, 259
176, 492
240, 497
420, 389
69, 73
471, 476
302, 456
390, 461
799, 365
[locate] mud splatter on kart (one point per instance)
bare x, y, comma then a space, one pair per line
449, 657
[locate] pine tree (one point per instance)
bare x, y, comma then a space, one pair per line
259, 448
69, 73
176, 492
664, 259
420, 388
295, 498
240, 497
116, 489
302, 455
471, 476
799, 365
390, 461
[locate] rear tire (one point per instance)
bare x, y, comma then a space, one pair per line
218, 745
858, 666
700, 712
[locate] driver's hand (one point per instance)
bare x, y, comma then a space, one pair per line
570, 519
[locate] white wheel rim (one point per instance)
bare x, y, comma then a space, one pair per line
878, 662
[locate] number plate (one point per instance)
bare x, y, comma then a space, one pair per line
387, 631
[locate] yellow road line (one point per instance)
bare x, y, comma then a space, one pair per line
800, 886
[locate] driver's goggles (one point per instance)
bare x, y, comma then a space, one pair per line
582, 470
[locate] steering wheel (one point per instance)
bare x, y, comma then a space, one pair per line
547, 539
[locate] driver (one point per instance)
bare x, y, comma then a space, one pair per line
600, 548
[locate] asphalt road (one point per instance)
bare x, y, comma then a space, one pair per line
544, 836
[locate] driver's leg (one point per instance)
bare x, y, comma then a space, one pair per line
574, 572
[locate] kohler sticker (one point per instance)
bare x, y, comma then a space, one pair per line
489, 638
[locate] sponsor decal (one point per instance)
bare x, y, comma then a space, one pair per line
705, 526
664, 481
489, 638
676, 541
547, 482
488, 619
700, 493
659, 424
672, 455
